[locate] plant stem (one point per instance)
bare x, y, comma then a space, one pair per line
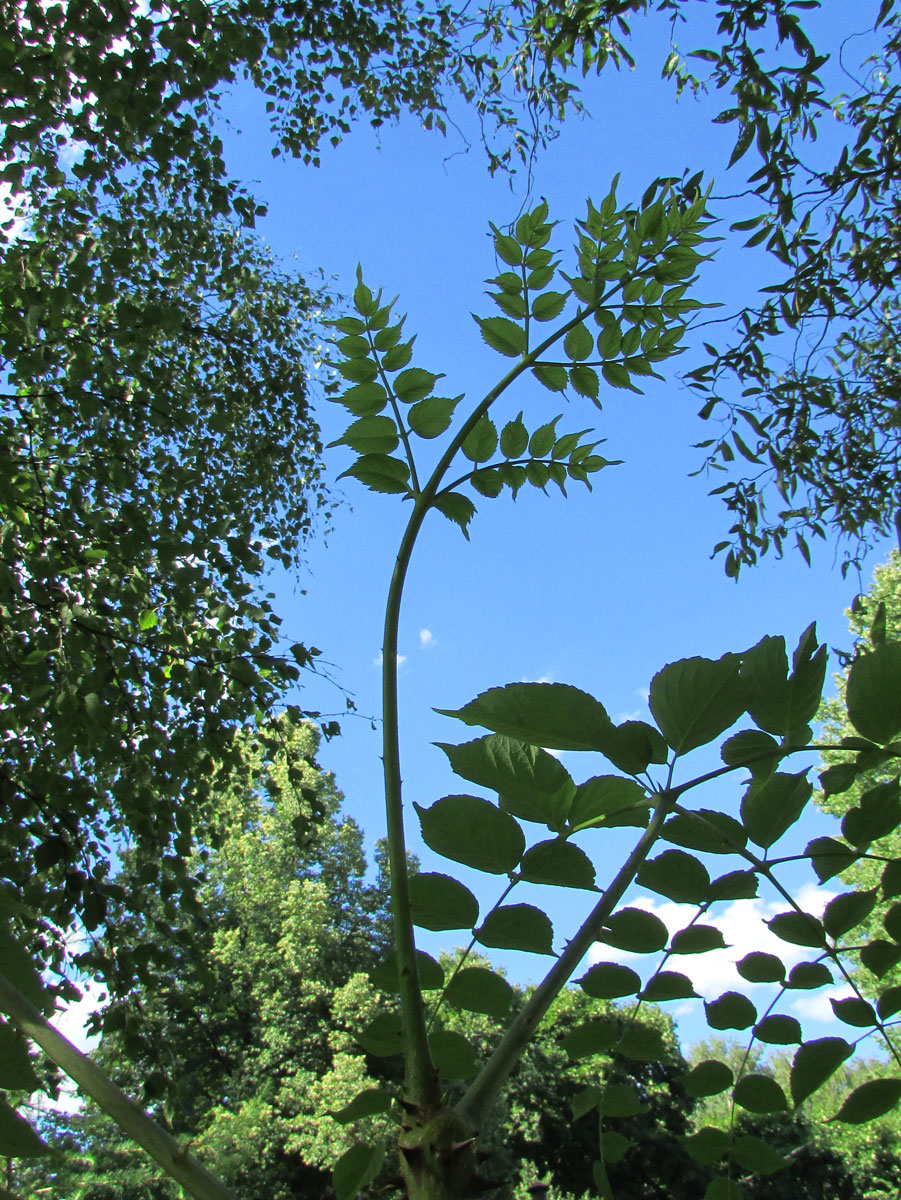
160, 1145
420, 1078
489, 1081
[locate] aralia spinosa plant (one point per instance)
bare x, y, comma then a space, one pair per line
624, 308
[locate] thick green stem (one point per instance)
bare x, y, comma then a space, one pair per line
421, 1081
160, 1145
488, 1083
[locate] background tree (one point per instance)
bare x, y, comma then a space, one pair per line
233, 1023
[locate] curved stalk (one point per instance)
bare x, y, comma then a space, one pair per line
493, 1075
160, 1145
420, 1078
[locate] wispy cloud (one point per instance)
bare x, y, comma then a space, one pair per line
427, 639
377, 661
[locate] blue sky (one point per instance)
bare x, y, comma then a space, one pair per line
600, 590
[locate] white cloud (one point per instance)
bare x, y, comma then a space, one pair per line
744, 929
540, 679
427, 639
377, 661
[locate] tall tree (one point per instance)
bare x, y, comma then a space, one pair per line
232, 1024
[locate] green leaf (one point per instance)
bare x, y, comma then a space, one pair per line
380, 473
814, 1063
385, 977
878, 813
676, 875
697, 939
148, 620
696, 699
365, 399
356, 1168
578, 343
609, 981
644, 1043
440, 902
548, 305
414, 384
584, 380
756, 1156
891, 922
707, 1078
363, 301
479, 989
553, 376
19, 968
457, 508
601, 797
429, 418
615, 1145
707, 830
734, 885
17, 1138
809, 975
634, 745
507, 248
397, 356
668, 985
368, 1103
488, 483
889, 1003
838, 779
584, 1101
358, 370
771, 806
801, 929
559, 864
854, 1011
760, 1094
597, 1036
732, 1010
879, 957
542, 440
517, 927
759, 967
829, 857
609, 340
847, 911
552, 715
621, 1100
472, 831
16, 1070
383, 1036
780, 703
872, 1099
874, 693
503, 335
531, 784
453, 1055
757, 751
778, 1030
635, 930
370, 435
708, 1145
348, 325
387, 339
617, 376
481, 441
514, 438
